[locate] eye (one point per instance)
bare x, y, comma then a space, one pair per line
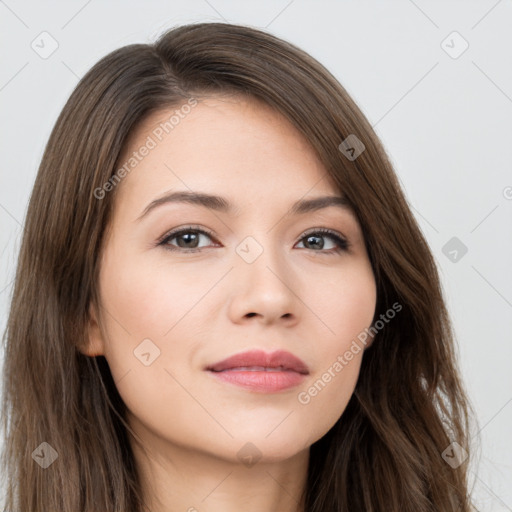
188, 239
314, 240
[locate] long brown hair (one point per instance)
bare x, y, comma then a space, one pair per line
409, 405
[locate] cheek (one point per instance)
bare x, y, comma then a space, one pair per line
321, 404
151, 309
149, 300
149, 338
346, 306
347, 311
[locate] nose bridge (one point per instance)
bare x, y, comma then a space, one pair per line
262, 278
259, 254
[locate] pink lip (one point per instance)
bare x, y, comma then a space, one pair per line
259, 371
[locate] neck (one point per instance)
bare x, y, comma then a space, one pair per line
178, 479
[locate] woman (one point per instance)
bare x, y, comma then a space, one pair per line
223, 300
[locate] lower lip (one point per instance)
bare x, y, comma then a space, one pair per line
262, 381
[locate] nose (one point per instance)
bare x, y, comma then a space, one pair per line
264, 291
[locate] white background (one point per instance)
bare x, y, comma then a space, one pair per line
446, 123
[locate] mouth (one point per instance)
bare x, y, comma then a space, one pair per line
255, 369
261, 372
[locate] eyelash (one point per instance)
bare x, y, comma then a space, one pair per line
342, 244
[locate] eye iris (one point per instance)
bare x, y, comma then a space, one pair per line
188, 237
317, 241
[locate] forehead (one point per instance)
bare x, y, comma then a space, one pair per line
232, 146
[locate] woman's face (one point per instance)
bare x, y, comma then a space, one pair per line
259, 278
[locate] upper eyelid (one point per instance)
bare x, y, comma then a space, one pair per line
178, 231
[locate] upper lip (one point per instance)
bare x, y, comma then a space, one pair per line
279, 358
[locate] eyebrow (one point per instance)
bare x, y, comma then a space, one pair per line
221, 204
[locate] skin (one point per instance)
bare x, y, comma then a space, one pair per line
201, 307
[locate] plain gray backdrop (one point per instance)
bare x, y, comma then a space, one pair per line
434, 78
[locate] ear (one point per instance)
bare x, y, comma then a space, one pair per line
369, 341
94, 345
